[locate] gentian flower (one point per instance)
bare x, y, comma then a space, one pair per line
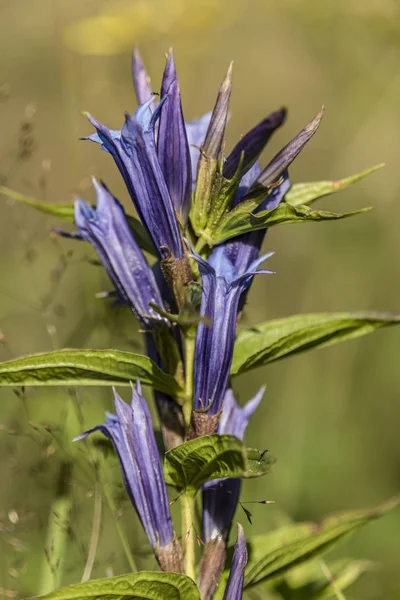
222, 289
131, 432
234, 587
107, 229
135, 153
220, 496
172, 143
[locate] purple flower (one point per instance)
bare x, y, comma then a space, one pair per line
252, 144
134, 151
196, 132
141, 81
222, 289
172, 145
106, 228
220, 496
234, 587
131, 433
216, 130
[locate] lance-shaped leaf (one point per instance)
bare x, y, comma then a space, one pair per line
286, 156
308, 541
283, 337
145, 585
307, 193
240, 220
193, 463
86, 367
214, 456
66, 213
252, 144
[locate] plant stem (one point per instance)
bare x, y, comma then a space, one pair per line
189, 367
188, 538
57, 534
111, 505
200, 245
94, 539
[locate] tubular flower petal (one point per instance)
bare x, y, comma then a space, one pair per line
216, 130
253, 143
222, 289
107, 229
135, 154
131, 432
172, 146
141, 81
234, 587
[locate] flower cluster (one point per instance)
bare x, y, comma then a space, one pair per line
188, 301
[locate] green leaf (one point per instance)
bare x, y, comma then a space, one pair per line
193, 463
215, 456
238, 221
307, 193
344, 577
145, 585
86, 367
283, 337
305, 541
258, 463
66, 212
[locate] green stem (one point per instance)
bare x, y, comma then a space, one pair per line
57, 535
188, 538
200, 245
189, 368
111, 505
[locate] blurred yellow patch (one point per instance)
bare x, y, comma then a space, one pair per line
116, 29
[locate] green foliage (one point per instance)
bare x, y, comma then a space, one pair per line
258, 463
86, 367
145, 585
66, 212
193, 463
241, 220
279, 338
307, 193
274, 554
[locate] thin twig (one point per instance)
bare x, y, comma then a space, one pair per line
335, 588
94, 539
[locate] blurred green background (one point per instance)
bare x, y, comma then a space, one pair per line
331, 417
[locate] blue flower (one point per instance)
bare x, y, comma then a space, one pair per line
131, 433
234, 587
222, 287
107, 229
134, 150
220, 496
172, 144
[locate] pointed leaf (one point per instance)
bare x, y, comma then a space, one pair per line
283, 337
145, 585
86, 367
307, 193
258, 463
66, 212
193, 463
343, 577
267, 562
240, 221
215, 456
